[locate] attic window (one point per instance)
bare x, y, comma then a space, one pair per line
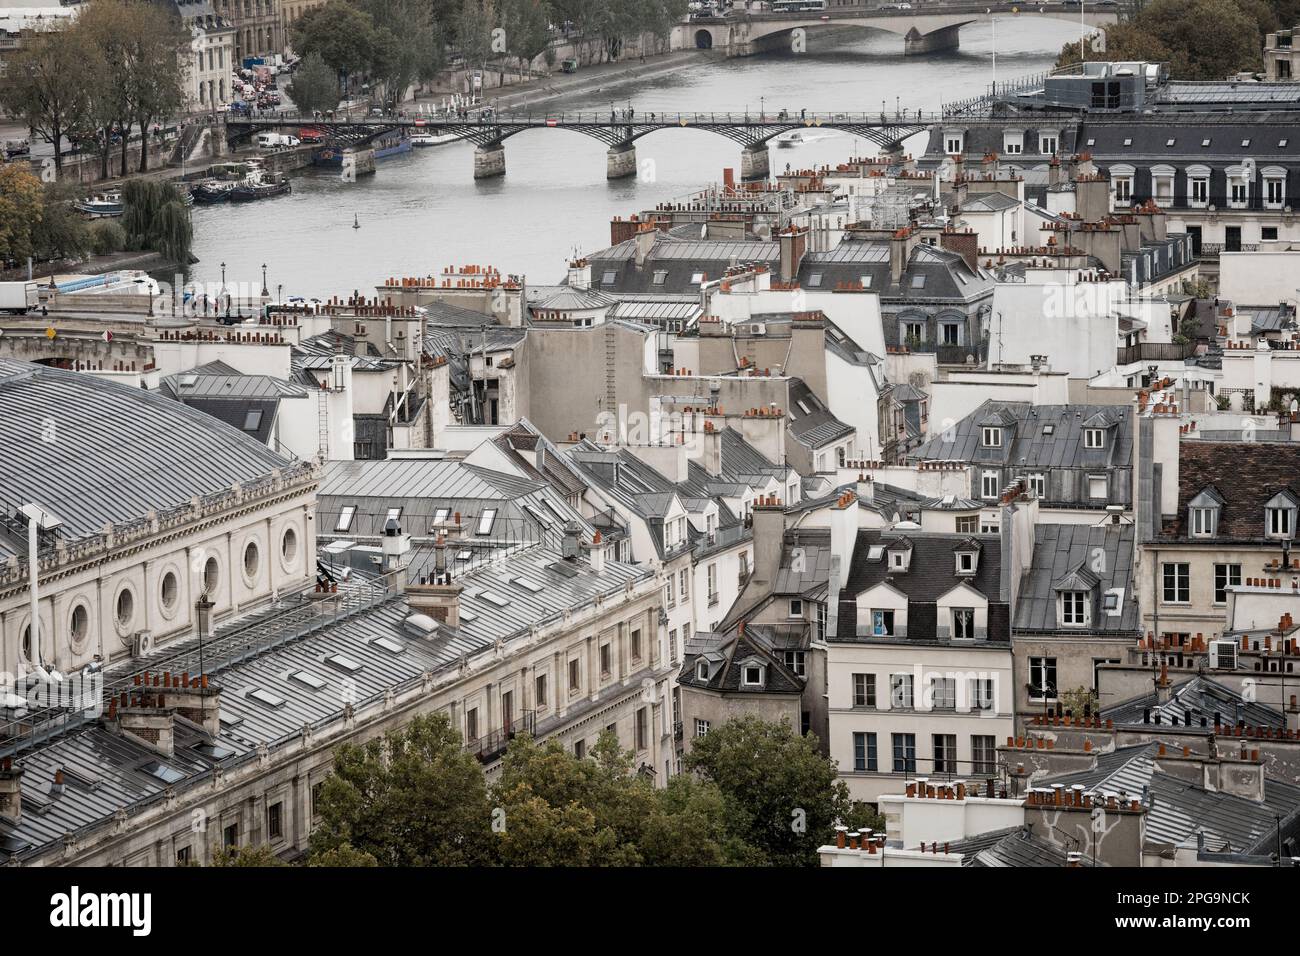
702, 671
544, 521
441, 515
531, 586
1279, 522
308, 680
1205, 142
344, 663
898, 560
866, 281
966, 562
253, 420
1128, 142
345, 518
796, 608
1092, 142
1074, 608
162, 772
1245, 143
1094, 438
394, 514
1169, 142
388, 644
697, 277
1110, 601
1049, 429
486, 520
1281, 143
814, 280
660, 276
1204, 522
918, 282
496, 600
609, 278
266, 697
992, 437
753, 675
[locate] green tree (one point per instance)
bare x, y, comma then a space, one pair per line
22, 206
46, 84
61, 233
107, 27
410, 43
154, 87
527, 25
342, 34
247, 856
155, 217
474, 23
782, 796
411, 798
343, 855
315, 87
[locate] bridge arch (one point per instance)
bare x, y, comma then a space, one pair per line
703, 39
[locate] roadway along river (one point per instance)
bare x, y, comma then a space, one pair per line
423, 210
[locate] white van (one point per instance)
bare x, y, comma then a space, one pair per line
275, 141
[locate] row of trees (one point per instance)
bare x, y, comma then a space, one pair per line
115, 68
1199, 39
398, 42
757, 795
38, 220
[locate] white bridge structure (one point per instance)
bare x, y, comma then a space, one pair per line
925, 28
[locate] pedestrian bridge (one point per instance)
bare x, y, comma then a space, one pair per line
619, 130
928, 28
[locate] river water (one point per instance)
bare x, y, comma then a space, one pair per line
423, 210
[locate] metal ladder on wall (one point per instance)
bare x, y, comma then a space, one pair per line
323, 423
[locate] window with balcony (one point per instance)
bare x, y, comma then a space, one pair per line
1042, 678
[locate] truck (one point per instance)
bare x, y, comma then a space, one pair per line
19, 297
275, 140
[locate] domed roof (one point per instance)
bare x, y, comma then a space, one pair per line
93, 451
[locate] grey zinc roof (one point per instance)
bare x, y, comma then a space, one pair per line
1013, 846
96, 452
1103, 554
817, 427
1193, 699
1044, 436
417, 478
1180, 809
248, 723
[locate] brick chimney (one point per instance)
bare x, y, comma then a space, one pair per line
580, 273
794, 243
437, 596
143, 714
11, 791
596, 552
964, 242
197, 700
844, 537
764, 428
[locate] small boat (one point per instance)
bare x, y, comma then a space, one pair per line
423, 140
791, 139
261, 187
212, 191
106, 206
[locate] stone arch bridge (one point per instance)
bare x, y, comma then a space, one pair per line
926, 28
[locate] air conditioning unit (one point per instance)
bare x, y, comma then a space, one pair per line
758, 328
1223, 655
142, 644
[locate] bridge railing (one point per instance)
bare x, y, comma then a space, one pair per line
773, 118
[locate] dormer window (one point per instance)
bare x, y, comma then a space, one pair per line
1204, 522
1073, 608
752, 675
898, 561
992, 437
965, 562
1280, 515
702, 671
796, 608
1094, 438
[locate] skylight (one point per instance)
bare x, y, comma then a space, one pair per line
544, 521
308, 680
393, 515
345, 518
389, 644
527, 585
253, 420
162, 772
343, 662
266, 697
496, 600
440, 516
486, 520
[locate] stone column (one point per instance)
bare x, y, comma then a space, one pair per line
620, 161
754, 163
489, 161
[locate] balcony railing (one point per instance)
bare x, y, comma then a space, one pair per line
493, 744
1154, 352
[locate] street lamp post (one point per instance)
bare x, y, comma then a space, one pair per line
265, 293
223, 292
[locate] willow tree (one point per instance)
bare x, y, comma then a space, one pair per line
157, 218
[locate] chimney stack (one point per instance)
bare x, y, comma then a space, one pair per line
11, 791
794, 243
